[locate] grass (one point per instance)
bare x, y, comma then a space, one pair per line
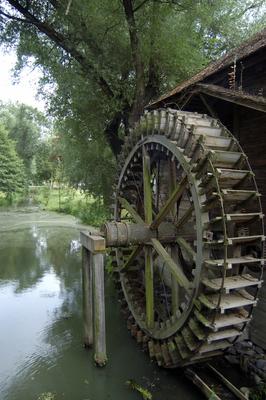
88, 209
18, 199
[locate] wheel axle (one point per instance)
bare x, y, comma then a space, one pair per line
125, 234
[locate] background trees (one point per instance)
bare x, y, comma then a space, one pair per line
12, 177
104, 61
28, 128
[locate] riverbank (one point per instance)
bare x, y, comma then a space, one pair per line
69, 201
19, 218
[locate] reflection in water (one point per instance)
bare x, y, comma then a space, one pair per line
41, 327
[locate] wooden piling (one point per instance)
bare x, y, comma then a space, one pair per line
100, 356
93, 249
87, 297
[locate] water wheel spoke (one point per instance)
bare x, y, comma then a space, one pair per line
185, 217
128, 207
131, 258
174, 197
175, 289
149, 292
187, 247
174, 268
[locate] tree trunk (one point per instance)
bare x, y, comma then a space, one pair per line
111, 133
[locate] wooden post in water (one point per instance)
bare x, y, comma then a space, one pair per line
87, 297
100, 357
93, 292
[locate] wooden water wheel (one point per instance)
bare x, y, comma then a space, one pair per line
187, 236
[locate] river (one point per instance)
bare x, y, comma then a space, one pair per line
42, 357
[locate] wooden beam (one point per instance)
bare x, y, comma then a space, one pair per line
149, 293
175, 292
99, 333
207, 105
147, 187
185, 217
187, 100
204, 388
131, 257
174, 268
127, 206
227, 383
95, 244
176, 194
186, 246
233, 96
87, 297
93, 249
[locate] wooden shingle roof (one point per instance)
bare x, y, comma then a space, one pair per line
255, 43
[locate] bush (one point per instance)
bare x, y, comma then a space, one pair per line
89, 210
94, 213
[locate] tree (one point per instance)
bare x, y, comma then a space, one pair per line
43, 161
25, 125
11, 166
113, 57
77, 154
104, 61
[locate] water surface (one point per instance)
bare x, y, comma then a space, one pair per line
41, 322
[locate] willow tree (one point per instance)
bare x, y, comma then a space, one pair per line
103, 61
122, 52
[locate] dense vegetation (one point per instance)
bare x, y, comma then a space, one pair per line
33, 167
102, 63
11, 166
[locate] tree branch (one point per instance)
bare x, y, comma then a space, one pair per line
153, 81
13, 17
61, 41
111, 135
140, 5
171, 2
137, 60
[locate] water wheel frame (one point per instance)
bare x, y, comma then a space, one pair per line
221, 198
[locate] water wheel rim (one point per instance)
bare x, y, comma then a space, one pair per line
200, 217
178, 349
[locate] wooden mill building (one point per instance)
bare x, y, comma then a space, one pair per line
233, 89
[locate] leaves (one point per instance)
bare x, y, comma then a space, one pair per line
12, 178
25, 126
145, 393
102, 64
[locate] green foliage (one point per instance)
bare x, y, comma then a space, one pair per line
88, 209
259, 393
45, 167
47, 396
94, 78
94, 213
11, 167
145, 393
27, 127
88, 164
